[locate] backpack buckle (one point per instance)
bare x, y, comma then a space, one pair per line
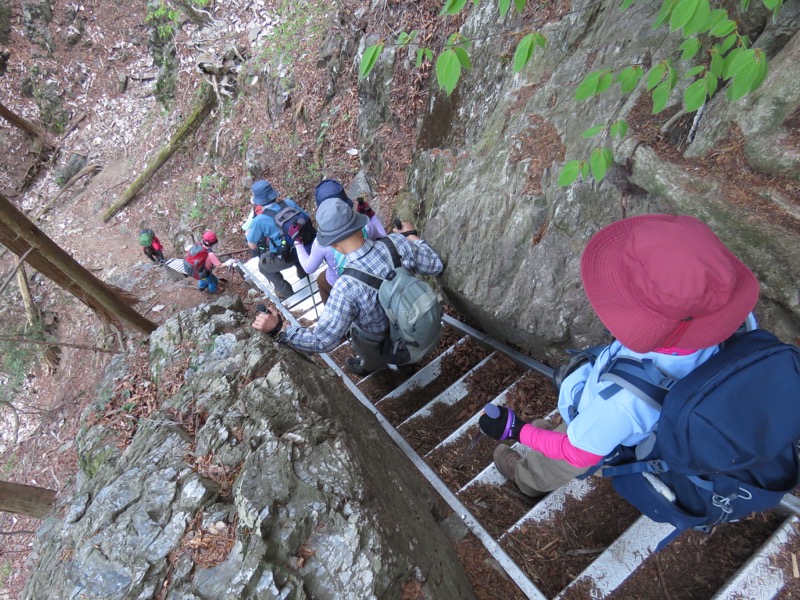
657, 466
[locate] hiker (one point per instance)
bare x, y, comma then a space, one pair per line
268, 241
353, 307
669, 292
151, 246
209, 240
310, 260
201, 261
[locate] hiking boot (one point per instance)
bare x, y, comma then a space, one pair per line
506, 459
353, 364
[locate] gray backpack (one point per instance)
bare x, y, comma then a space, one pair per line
412, 307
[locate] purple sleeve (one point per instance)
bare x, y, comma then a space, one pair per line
310, 261
375, 230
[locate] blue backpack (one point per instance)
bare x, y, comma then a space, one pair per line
725, 444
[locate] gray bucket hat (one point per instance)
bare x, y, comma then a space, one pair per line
336, 221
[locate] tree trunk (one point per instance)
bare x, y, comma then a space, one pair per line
26, 499
189, 127
110, 303
31, 129
30, 308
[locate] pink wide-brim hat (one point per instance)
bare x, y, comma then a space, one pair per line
660, 281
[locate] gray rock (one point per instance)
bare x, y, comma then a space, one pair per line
75, 163
303, 475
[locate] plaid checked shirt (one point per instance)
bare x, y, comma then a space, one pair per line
352, 302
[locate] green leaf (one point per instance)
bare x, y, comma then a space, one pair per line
598, 164
711, 84
660, 97
762, 69
569, 173
700, 21
448, 70
682, 14
694, 71
629, 77
619, 129
771, 4
625, 4
605, 81
664, 13
609, 156
504, 6
463, 57
717, 15
540, 40
743, 79
420, 57
723, 28
523, 52
689, 47
736, 59
452, 7
428, 53
717, 65
369, 59
695, 95
584, 169
672, 75
520, 5
728, 42
655, 75
588, 86
745, 4
592, 131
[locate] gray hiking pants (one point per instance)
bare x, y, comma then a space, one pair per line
368, 347
536, 474
271, 265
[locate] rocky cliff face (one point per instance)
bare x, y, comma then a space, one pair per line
258, 477
483, 176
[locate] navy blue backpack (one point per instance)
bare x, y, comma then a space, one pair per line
725, 444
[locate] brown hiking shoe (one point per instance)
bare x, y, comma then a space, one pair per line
506, 459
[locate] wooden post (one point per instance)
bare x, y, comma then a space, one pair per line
112, 304
189, 127
26, 500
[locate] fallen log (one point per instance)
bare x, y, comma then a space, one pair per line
191, 125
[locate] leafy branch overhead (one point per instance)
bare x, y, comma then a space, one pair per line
454, 57
714, 54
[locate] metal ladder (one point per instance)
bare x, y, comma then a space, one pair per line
756, 578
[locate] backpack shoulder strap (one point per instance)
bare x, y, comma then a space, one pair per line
396, 261
367, 279
363, 277
271, 211
640, 377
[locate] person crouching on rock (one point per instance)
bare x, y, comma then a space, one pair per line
151, 246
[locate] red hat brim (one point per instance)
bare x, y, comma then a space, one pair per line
636, 321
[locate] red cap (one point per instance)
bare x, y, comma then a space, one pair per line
209, 237
661, 280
